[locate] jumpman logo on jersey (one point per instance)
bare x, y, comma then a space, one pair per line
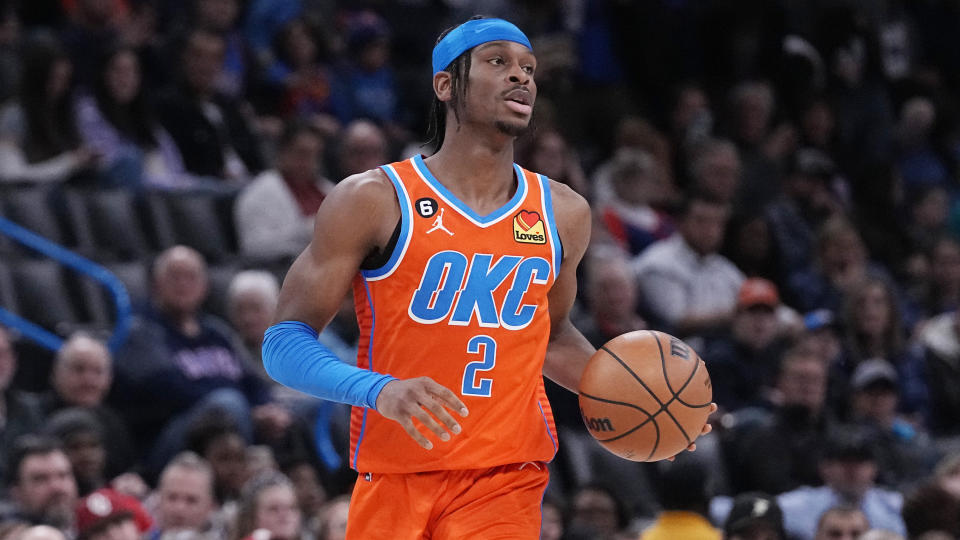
438, 224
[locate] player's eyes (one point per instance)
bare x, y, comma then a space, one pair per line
497, 61
529, 69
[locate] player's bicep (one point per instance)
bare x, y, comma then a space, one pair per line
321, 276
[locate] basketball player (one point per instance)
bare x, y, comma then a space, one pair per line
463, 273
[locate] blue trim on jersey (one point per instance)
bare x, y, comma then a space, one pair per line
547, 425
551, 224
373, 326
405, 225
452, 199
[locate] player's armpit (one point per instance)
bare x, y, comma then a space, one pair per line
358, 216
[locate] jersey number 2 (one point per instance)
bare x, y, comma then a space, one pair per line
487, 348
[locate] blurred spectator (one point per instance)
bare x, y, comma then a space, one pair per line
274, 213
220, 17
841, 264
805, 203
178, 362
940, 337
842, 523
635, 134
268, 503
874, 329
683, 494
95, 25
744, 363
817, 126
551, 525
754, 516
117, 122
305, 80
691, 120
549, 154
83, 443
264, 19
9, 52
81, 377
333, 519
763, 148
940, 291
628, 214
783, 454
929, 214
685, 284
185, 499
41, 485
19, 411
251, 301
210, 129
919, 164
38, 134
108, 515
311, 495
42, 532
363, 146
947, 474
366, 87
715, 169
848, 469
610, 296
597, 513
930, 508
904, 452
750, 245
218, 441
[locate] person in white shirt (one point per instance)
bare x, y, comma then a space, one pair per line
685, 284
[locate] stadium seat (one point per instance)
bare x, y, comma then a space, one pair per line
135, 278
192, 219
8, 295
220, 277
30, 207
108, 224
42, 294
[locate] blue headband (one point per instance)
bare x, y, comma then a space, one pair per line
472, 33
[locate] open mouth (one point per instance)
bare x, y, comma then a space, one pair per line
518, 100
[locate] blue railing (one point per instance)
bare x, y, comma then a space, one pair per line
80, 264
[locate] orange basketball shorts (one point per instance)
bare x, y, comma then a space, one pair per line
499, 503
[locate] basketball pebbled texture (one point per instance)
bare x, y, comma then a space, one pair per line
645, 395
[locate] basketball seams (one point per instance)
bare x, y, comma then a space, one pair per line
666, 377
634, 375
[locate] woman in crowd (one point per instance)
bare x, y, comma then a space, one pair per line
268, 510
117, 121
38, 136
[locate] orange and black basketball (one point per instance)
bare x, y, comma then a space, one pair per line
645, 395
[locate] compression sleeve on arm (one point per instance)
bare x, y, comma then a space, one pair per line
293, 357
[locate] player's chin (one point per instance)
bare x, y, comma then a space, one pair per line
514, 128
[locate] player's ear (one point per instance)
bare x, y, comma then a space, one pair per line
443, 86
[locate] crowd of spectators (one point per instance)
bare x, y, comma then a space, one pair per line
775, 182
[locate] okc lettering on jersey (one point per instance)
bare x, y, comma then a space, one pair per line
451, 286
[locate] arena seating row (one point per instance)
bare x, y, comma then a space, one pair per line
121, 230
119, 225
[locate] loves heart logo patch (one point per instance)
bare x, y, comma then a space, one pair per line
528, 228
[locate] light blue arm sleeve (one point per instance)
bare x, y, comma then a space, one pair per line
293, 357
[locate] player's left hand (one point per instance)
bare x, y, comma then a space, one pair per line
707, 428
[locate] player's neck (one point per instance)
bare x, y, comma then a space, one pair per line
475, 168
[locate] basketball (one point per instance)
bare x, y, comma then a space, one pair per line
645, 395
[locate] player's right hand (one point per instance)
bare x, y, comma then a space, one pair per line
405, 400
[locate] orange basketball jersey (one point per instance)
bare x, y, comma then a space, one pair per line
463, 300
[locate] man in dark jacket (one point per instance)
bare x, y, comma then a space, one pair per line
210, 129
